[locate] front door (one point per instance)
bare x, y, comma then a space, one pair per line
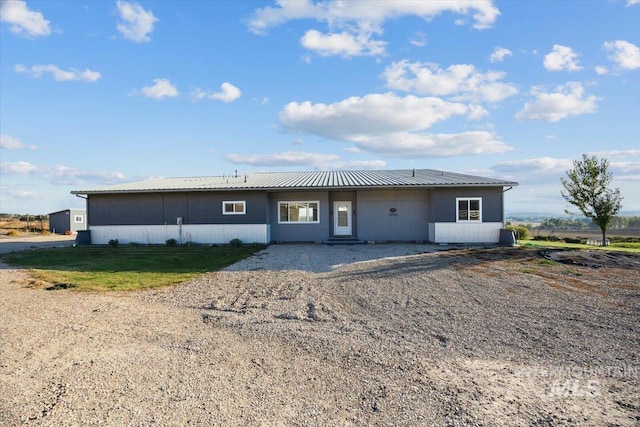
342, 219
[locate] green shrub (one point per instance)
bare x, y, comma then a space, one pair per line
522, 232
114, 243
236, 243
171, 242
571, 240
549, 238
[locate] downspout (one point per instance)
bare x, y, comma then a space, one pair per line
86, 206
503, 215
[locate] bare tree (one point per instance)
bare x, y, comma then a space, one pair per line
586, 187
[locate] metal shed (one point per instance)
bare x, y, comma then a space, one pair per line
68, 221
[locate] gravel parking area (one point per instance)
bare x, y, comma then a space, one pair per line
308, 335
12, 244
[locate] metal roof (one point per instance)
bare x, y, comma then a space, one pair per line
316, 180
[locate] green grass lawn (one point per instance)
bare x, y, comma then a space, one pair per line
125, 268
633, 247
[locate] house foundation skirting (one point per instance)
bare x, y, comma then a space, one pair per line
458, 232
196, 233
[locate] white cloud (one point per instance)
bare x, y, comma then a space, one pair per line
21, 194
358, 117
477, 112
550, 170
304, 159
536, 166
561, 58
462, 81
568, 100
352, 150
161, 88
23, 21
17, 168
499, 54
136, 23
600, 70
352, 23
9, 142
286, 158
361, 164
59, 74
228, 93
625, 169
617, 153
59, 175
386, 123
419, 39
344, 44
419, 145
342, 14
64, 175
625, 54
632, 2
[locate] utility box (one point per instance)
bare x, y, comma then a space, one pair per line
83, 237
507, 237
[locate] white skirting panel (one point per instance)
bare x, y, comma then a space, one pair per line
464, 232
196, 233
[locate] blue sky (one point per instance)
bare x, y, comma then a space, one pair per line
100, 92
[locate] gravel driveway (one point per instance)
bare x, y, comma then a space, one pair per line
324, 258
407, 336
12, 244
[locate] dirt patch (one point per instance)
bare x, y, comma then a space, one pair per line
593, 258
466, 337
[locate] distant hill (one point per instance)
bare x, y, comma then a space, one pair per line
540, 216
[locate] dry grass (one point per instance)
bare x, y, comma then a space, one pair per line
16, 228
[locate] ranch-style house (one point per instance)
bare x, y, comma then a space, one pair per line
411, 205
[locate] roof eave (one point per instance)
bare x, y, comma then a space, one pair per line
294, 188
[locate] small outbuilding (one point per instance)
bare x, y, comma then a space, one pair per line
68, 221
422, 205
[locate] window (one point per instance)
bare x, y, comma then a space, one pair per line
469, 209
298, 212
78, 218
234, 208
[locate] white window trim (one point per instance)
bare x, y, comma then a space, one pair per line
78, 221
234, 202
468, 199
317, 202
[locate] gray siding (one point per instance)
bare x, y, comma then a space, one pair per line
299, 232
125, 209
443, 203
59, 222
165, 208
377, 222
206, 208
